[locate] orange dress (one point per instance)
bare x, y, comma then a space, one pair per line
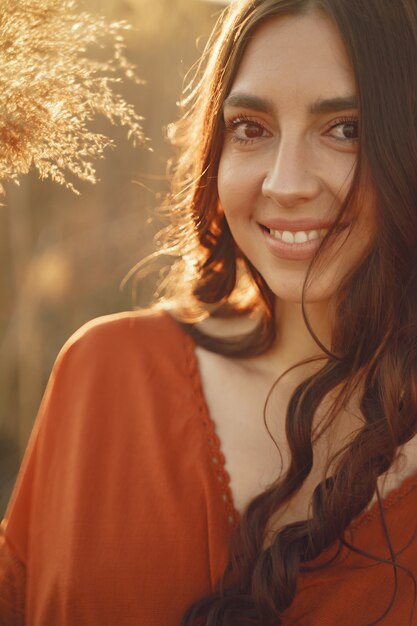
122, 511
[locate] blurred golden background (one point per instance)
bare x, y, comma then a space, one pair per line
63, 257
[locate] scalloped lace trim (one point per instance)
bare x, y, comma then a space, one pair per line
392, 498
218, 461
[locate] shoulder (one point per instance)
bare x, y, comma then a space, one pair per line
123, 345
114, 367
131, 331
143, 326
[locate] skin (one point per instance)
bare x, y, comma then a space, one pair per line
296, 165
289, 163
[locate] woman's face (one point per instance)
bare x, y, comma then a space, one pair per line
289, 154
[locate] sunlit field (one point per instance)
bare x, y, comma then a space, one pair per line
63, 257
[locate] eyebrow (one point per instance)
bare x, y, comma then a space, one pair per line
264, 105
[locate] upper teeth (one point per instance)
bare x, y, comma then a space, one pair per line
300, 236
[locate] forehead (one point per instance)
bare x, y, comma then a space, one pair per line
293, 58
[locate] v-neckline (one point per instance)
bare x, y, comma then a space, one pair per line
215, 449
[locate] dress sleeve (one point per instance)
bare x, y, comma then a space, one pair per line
38, 517
15, 529
81, 539
12, 584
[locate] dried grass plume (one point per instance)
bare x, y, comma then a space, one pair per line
51, 87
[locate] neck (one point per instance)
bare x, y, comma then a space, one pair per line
294, 342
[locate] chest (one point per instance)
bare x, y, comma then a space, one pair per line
250, 423
251, 429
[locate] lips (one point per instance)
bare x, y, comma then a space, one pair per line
296, 240
300, 231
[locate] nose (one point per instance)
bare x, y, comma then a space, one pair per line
289, 179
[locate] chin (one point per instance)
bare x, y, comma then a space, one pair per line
315, 293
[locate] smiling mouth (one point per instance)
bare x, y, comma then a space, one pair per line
300, 236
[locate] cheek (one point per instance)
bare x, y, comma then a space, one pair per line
238, 182
230, 186
338, 262
337, 177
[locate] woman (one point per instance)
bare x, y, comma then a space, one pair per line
286, 331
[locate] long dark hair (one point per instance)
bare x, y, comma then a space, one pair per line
374, 343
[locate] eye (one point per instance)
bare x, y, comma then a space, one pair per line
245, 130
345, 129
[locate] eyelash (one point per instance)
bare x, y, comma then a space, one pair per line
340, 122
232, 125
